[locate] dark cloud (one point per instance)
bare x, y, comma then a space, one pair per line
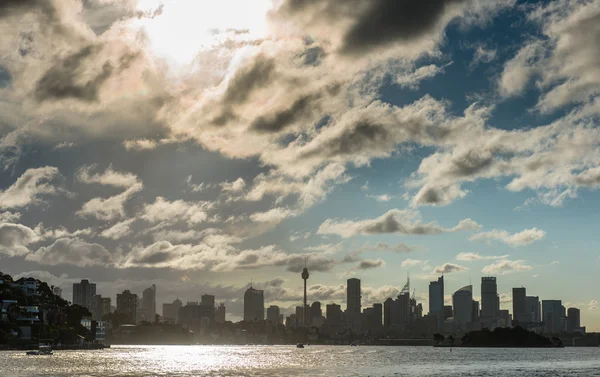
248, 79
288, 116
447, 268
471, 163
369, 264
388, 21
62, 80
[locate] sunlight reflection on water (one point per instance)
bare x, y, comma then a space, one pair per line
312, 360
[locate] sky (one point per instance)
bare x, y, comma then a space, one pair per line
202, 146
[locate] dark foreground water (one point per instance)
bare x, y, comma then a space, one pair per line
310, 361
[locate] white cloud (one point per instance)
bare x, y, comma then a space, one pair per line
381, 198
394, 221
593, 305
476, 256
236, 186
447, 268
74, 251
171, 212
412, 79
523, 238
108, 177
110, 208
505, 267
274, 215
14, 239
28, 188
407, 263
118, 230
9, 217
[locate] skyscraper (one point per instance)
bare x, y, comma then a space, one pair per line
489, 302
387, 311
462, 302
532, 308
436, 299
220, 313
353, 304
84, 294
334, 314
552, 316
149, 303
101, 307
254, 305
207, 300
127, 304
273, 314
573, 319
520, 314
171, 310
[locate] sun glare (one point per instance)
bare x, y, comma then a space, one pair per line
185, 27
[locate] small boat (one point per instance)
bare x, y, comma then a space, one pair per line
42, 350
299, 345
353, 344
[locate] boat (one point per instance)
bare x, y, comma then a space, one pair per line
353, 344
42, 350
299, 345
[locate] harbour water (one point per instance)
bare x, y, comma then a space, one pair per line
310, 361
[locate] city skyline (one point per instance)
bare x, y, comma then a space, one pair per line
196, 148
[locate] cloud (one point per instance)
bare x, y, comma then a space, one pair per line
118, 230
447, 268
369, 264
523, 238
274, 215
9, 217
108, 177
407, 263
593, 305
14, 239
110, 208
176, 211
505, 267
235, 186
476, 256
73, 251
406, 222
28, 188
411, 80
381, 198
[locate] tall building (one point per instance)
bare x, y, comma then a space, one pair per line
220, 313
334, 314
195, 315
447, 312
273, 314
84, 294
553, 318
504, 318
254, 305
489, 302
475, 312
170, 310
532, 308
573, 319
149, 303
520, 315
462, 302
207, 300
388, 309
373, 317
314, 312
353, 296
127, 304
101, 307
436, 300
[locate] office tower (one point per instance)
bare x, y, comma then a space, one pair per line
127, 304
105, 306
171, 310
334, 314
304, 275
315, 309
273, 314
447, 311
489, 302
149, 303
573, 320
299, 316
377, 315
254, 305
208, 300
520, 315
84, 294
532, 308
195, 315
462, 302
475, 312
504, 318
436, 300
552, 311
353, 296
101, 307
387, 312
220, 313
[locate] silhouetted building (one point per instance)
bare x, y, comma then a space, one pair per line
149, 303
194, 315
532, 308
171, 310
573, 320
462, 302
373, 316
504, 318
387, 312
334, 314
475, 311
127, 304
436, 300
254, 305
306, 314
520, 315
315, 311
220, 313
84, 294
101, 307
447, 311
353, 303
208, 300
273, 314
552, 311
489, 302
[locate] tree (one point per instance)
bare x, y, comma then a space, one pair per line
75, 313
438, 338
